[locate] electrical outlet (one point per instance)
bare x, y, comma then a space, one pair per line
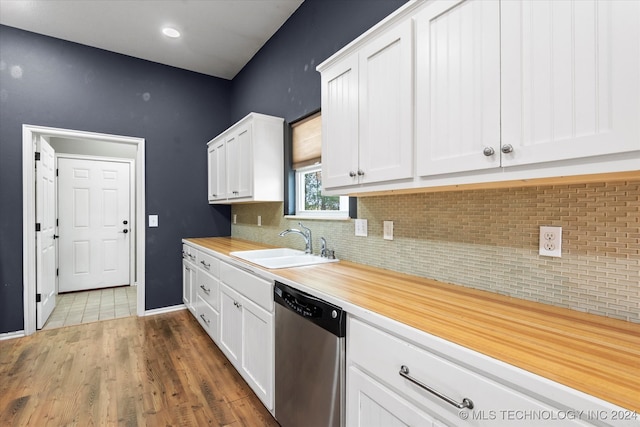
235, 218
259, 221
361, 227
387, 230
551, 241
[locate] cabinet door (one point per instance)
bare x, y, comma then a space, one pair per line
188, 280
258, 350
239, 163
570, 79
370, 404
386, 106
230, 324
340, 123
458, 86
217, 171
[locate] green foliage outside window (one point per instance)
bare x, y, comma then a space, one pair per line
314, 200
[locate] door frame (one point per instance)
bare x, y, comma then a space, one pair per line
132, 207
29, 132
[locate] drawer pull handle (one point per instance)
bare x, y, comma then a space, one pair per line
207, 290
207, 266
205, 319
466, 403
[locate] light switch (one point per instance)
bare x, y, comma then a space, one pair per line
361, 227
153, 220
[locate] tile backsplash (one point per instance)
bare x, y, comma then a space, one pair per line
488, 239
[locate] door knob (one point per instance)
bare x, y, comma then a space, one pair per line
488, 151
125, 222
125, 231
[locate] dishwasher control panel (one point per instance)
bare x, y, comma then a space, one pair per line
324, 314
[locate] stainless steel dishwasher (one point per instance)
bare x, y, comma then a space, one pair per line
310, 362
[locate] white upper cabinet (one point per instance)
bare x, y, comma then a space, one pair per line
240, 161
246, 162
465, 92
367, 108
570, 79
458, 86
217, 167
386, 106
340, 123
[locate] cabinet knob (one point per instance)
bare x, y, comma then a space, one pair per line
488, 151
352, 174
507, 148
360, 172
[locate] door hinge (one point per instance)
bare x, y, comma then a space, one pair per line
37, 156
57, 271
56, 222
56, 172
38, 297
37, 226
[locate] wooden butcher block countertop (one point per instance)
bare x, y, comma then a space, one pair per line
594, 354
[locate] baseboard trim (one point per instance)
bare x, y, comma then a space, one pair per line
11, 335
165, 310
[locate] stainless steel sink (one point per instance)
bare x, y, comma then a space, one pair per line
280, 258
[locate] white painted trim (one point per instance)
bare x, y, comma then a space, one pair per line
11, 335
28, 211
163, 310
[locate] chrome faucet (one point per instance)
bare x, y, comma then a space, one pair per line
306, 234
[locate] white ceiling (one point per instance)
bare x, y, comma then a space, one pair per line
218, 36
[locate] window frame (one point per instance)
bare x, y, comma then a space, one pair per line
300, 173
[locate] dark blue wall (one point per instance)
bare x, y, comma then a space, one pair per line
70, 86
281, 79
66, 85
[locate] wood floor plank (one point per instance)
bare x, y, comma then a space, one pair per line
158, 370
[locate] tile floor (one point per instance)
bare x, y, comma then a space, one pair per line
90, 306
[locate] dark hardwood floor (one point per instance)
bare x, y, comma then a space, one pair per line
158, 370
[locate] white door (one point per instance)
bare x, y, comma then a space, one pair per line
93, 206
386, 106
217, 163
458, 87
570, 79
45, 236
239, 163
340, 123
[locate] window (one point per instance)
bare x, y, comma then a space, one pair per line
307, 151
309, 198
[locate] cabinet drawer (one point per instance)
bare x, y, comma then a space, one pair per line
208, 263
207, 287
208, 318
189, 253
255, 288
383, 356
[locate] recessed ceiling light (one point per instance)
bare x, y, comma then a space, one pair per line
171, 32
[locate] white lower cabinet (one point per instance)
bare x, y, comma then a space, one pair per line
188, 281
247, 333
370, 404
439, 390
235, 308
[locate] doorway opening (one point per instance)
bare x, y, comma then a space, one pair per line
85, 145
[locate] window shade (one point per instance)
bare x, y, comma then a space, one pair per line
307, 141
